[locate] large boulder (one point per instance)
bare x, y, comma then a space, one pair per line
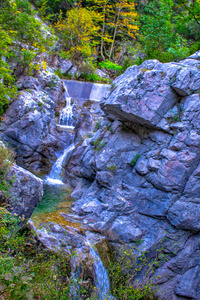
144, 94
25, 192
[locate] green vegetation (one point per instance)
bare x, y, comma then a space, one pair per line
97, 126
23, 38
126, 268
135, 159
112, 168
27, 270
158, 36
98, 144
6, 159
109, 128
175, 116
108, 34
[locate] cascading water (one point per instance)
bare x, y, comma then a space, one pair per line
101, 279
56, 171
66, 116
65, 122
101, 276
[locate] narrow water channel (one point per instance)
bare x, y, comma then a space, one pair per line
56, 200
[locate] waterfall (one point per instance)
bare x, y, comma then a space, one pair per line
56, 171
101, 277
66, 116
65, 122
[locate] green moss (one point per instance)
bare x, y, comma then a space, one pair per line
6, 159
135, 159
96, 142
97, 126
40, 104
112, 167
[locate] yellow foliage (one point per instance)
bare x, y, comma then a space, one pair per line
77, 33
118, 19
44, 65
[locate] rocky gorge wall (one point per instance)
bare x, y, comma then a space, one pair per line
29, 123
137, 181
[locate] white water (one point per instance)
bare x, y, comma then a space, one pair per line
56, 171
101, 277
101, 280
65, 120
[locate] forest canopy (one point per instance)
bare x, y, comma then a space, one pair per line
112, 34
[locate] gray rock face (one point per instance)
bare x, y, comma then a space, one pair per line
25, 193
29, 123
144, 94
138, 176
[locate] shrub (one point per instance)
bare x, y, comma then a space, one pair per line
124, 269
110, 65
98, 144
76, 32
135, 159
60, 74
27, 270
8, 89
6, 159
109, 128
97, 126
112, 167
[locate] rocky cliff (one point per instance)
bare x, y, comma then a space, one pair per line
29, 126
137, 182
136, 177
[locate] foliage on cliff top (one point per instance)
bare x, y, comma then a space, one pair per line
118, 32
23, 37
77, 34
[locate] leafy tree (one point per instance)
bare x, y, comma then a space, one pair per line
118, 20
50, 9
7, 89
123, 21
77, 33
157, 32
188, 19
156, 26
22, 36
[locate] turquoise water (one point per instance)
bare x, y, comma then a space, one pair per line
55, 200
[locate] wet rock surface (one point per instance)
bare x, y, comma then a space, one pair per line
29, 126
137, 179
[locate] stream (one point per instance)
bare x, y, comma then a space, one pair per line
56, 200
